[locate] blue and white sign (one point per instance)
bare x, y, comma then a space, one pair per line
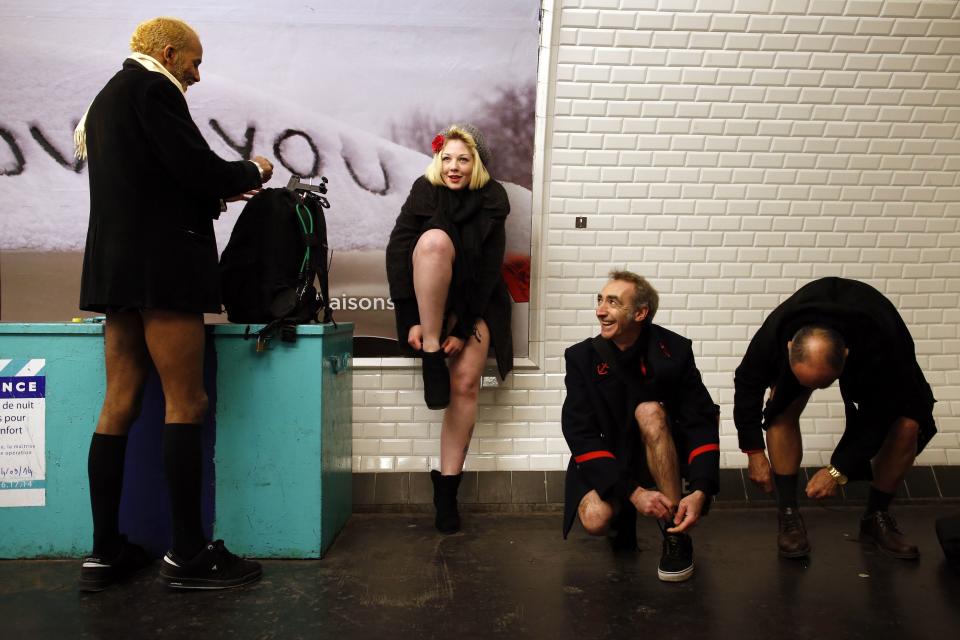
22, 431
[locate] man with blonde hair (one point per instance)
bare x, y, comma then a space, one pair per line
150, 266
637, 415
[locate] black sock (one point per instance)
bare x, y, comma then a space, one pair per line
183, 465
786, 490
878, 500
105, 471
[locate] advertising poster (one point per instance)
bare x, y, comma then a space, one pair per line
22, 430
351, 90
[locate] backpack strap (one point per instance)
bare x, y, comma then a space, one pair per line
320, 253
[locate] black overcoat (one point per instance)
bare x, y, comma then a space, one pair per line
599, 425
155, 189
481, 245
881, 379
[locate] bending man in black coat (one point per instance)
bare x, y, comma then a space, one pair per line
832, 329
151, 266
637, 411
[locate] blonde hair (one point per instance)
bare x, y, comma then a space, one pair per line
479, 177
151, 36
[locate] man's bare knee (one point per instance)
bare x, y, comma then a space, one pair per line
904, 433
652, 420
595, 516
187, 410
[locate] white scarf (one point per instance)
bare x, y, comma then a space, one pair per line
147, 62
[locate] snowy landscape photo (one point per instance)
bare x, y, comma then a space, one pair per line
351, 91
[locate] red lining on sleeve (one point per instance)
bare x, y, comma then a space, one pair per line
593, 455
705, 448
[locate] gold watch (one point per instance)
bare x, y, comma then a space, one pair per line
836, 475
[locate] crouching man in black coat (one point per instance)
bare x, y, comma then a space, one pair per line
830, 329
637, 413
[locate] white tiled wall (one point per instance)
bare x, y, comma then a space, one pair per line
729, 150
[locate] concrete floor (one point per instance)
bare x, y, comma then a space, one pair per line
512, 576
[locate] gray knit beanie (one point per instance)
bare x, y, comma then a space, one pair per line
482, 149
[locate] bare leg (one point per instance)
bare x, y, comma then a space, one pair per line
176, 340
896, 456
784, 443
127, 364
595, 513
432, 271
461, 415
660, 448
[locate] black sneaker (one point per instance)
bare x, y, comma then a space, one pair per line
676, 561
213, 568
96, 573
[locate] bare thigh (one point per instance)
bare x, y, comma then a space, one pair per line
175, 340
127, 364
467, 366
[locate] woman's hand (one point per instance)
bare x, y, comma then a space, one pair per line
452, 346
415, 337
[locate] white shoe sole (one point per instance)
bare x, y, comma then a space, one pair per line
675, 576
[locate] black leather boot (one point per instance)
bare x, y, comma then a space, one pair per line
445, 500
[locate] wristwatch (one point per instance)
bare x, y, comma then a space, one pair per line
836, 475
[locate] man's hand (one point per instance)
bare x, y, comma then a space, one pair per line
688, 511
651, 503
415, 337
822, 485
758, 470
266, 168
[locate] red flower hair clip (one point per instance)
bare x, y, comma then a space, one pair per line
437, 143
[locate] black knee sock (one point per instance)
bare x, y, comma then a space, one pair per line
786, 490
878, 500
183, 465
105, 471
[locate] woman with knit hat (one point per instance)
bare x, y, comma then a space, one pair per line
443, 265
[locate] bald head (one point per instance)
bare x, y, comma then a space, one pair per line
174, 44
817, 355
151, 36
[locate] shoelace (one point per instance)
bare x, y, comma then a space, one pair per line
674, 548
672, 544
791, 522
886, 522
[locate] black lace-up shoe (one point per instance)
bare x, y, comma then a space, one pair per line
213, 568
97, 573
676, 561
792, 535
881, 529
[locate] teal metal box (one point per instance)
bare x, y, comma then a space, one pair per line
74, 377
284, 441
283, 450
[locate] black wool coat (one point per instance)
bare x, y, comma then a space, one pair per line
476, 220
155, 189
599, 425
881, 379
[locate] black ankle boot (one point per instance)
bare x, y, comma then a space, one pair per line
436, 380
445, 500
